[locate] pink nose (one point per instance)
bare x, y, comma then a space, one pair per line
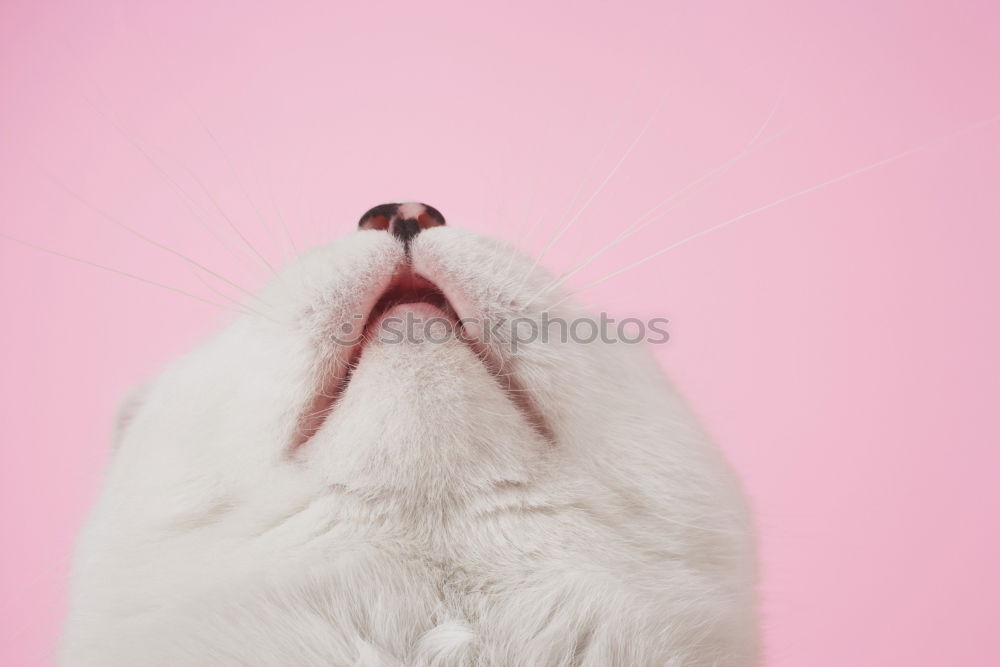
404, 221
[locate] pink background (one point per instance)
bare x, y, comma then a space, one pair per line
842, 346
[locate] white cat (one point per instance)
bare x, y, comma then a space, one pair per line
281, 496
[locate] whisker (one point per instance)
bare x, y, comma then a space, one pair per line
801, 193
751, 147
526, 212
310, 238
219, 292
179, 190
576, 195
767, 121
121, 273
236, 177
641, 222
607, 179
229, 220
107, 216
531, 232
281, 218
678, 195
317, 230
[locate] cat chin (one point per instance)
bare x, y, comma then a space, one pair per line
424, 421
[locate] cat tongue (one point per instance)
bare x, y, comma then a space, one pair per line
414, 322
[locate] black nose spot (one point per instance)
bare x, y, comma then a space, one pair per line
404, 230
404, 221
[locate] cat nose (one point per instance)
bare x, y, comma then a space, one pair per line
404, 221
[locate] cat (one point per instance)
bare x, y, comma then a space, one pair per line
308, 488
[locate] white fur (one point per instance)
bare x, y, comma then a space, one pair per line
427, 521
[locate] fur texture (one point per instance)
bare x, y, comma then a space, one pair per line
460, 504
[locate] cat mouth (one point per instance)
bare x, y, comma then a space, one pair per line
406, 291
409, 293
408, 287
411, 300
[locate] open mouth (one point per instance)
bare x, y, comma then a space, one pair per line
408, 287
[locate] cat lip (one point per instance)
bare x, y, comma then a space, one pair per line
409, 287
405, 288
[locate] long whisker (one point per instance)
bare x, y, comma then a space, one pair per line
531, 232
644, 221
212, 288
236, 177
751, 147
189, 199
527, 212
298, 198
767, 121
107, 112
576, 195
281, 218
516, 221
678, 195
607, 179
131, 230
121, 273
572, 204
801, 193
229, 221
179, 190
